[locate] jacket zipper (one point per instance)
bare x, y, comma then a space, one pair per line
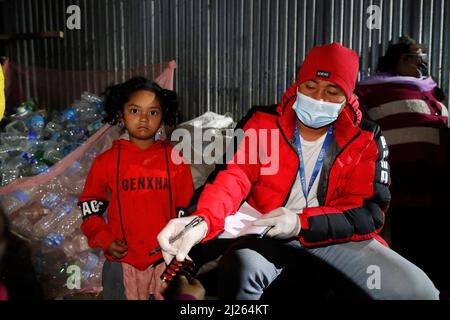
295, 176
287, 141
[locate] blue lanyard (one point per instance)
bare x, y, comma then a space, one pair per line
319, 162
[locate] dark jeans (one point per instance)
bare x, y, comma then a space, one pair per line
252, 269
112, 281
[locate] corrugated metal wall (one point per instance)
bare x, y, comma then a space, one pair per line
231, 54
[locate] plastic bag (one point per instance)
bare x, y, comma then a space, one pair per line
219, 126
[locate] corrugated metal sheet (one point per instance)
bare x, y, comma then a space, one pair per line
231, 54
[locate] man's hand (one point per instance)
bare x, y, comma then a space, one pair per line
118, 249
285, 223
182, 246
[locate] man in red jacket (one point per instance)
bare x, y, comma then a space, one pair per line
326, 200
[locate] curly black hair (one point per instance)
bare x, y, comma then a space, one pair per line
117, 96
389, 61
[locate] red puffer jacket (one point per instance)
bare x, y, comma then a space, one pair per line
353, 190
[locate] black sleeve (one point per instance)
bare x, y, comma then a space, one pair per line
375, 206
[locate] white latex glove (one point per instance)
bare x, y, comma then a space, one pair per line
182, 246
285, 223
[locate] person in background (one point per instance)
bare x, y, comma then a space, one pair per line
407, 103
141, 186
326, 200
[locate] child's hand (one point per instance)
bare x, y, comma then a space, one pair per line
193, 288
182, 286
118, 249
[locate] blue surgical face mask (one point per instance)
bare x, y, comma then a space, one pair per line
314, 113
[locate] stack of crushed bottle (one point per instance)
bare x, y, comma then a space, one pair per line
32, 141
48, 217
47, 214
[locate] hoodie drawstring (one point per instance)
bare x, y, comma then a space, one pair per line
118, 196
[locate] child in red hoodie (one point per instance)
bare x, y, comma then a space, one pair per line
140, 186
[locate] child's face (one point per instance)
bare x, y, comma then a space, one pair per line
142, 115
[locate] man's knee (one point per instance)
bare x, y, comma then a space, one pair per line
244, 263
244, 274
415, 285
405, 281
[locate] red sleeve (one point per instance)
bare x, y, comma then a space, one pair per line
93, 203
357, 213
232, 182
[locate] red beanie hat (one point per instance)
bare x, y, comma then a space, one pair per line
334, 63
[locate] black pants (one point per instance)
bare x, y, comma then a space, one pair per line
112, 281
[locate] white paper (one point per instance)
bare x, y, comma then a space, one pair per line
241, 223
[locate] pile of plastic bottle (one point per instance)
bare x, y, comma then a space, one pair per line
46, 215
33, 141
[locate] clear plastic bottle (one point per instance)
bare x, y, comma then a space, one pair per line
69, 248
74, 133
93, 127
80, 243
53, 240
89, 109
9, 175
92, 98
13, 169
17, 126
73, 183
89, 157
53, 130
75, 169
88, 261
51, 200
23, 226
16, 138
16, 200
6, 151
54, 152
29, 158
69, 115
35, 122
56, 186
69, 224
92, 280
73, 178
35, 155
38, 168
84, 109
48, 223
35, 212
